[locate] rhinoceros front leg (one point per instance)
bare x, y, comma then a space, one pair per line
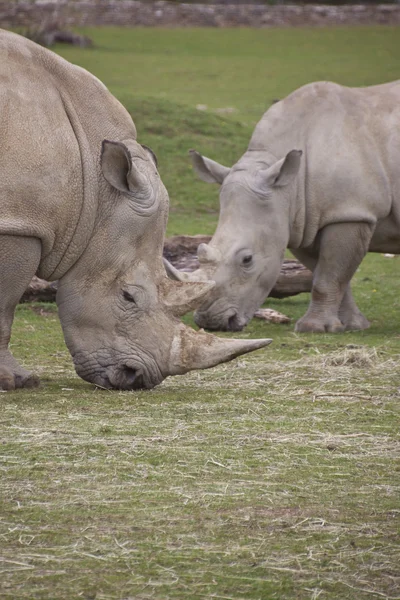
349, 313
342, 246
19, 260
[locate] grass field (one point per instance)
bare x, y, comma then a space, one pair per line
275, 476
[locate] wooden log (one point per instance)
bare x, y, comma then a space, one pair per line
181, 251
40, 290
271, 315
293, 279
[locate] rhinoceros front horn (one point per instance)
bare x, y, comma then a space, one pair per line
207, 254
199, 350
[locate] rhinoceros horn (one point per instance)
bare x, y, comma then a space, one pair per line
182, 297
192, 349
175, 274
208, 254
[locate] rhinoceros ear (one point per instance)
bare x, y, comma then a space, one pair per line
280, 173
121, 172
151, 154
208, 170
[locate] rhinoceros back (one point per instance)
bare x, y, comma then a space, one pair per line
54, 117
351, 143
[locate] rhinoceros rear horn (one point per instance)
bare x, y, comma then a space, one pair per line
176, 275
199, 350
183, 297
121, 171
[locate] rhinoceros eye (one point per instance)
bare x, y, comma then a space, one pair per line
247, 260
128, 297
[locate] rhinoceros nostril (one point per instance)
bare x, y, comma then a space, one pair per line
234, 323
133, 380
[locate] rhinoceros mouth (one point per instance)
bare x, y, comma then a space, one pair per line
123, 376
236, 323
128, 378
228, 320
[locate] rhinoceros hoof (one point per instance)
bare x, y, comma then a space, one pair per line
10, 381
7, 381
356, 323
31, 381
307, 325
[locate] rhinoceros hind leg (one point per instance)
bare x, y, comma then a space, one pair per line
341, 248
19, 260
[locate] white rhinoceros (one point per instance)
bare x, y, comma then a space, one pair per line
82, 202
321, 176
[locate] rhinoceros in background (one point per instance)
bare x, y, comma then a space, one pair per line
321, 176
82, 202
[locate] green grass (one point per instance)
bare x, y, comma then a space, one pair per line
242, 68
271, 477
275, 476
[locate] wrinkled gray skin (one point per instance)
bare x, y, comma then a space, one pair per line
321, 176
82, 202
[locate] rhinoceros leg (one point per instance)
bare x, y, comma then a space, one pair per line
19, 260
349, 313
342, 246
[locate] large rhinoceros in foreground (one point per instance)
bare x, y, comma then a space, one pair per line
321, 176
81, 201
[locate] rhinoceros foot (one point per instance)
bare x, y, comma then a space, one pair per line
315, 325
355, 322
32, 381
21, 379
7, 381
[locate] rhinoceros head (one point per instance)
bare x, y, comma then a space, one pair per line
118, 309
246, 252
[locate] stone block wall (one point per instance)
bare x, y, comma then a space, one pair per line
131, 13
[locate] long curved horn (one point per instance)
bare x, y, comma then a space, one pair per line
199, 350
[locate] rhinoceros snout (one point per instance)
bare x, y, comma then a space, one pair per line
130, 378
235, 323
120, 377
226, 322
